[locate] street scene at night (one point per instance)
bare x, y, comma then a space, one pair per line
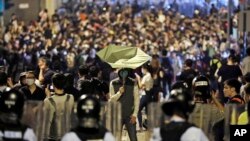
124, 70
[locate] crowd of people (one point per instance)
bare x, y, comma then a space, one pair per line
53, 59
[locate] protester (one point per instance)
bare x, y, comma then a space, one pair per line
83, 75
125, 90
22, 81
45, 73
188, 73
228, 71
3, 82
32, 91
69, 86
232, 91
145, 85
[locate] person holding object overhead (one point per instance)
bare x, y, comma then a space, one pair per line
125, 90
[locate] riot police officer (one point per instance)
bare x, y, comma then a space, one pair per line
11, 109
205, 113
88, 110
178, 107
201, 89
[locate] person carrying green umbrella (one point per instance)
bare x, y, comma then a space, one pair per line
124, 89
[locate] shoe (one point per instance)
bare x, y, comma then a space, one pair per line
145, 124
140, 130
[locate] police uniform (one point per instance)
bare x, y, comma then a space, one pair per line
88, 109
178, 129
97, 135
178, 107
11, 108
17, 133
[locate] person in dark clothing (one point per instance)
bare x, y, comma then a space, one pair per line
188, 74
213, 10
92, 60
95, 86
125, 91
69, 86
83, 75
32, 91
158, 76
45, 73
48, 32
168, 73
228, 71
3, 82
22, 81
232, 90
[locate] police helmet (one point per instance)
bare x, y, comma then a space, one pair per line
12, 102
201, 87
180, 99
88, 107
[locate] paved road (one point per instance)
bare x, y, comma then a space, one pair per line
142, 136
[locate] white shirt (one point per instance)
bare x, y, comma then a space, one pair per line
147, 81
71, 136
29, 135
191, 134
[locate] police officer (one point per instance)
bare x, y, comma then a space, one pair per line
178, 107
201, 89
88, 110
11, 109
205, 113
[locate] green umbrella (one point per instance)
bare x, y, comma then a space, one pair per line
123, 57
